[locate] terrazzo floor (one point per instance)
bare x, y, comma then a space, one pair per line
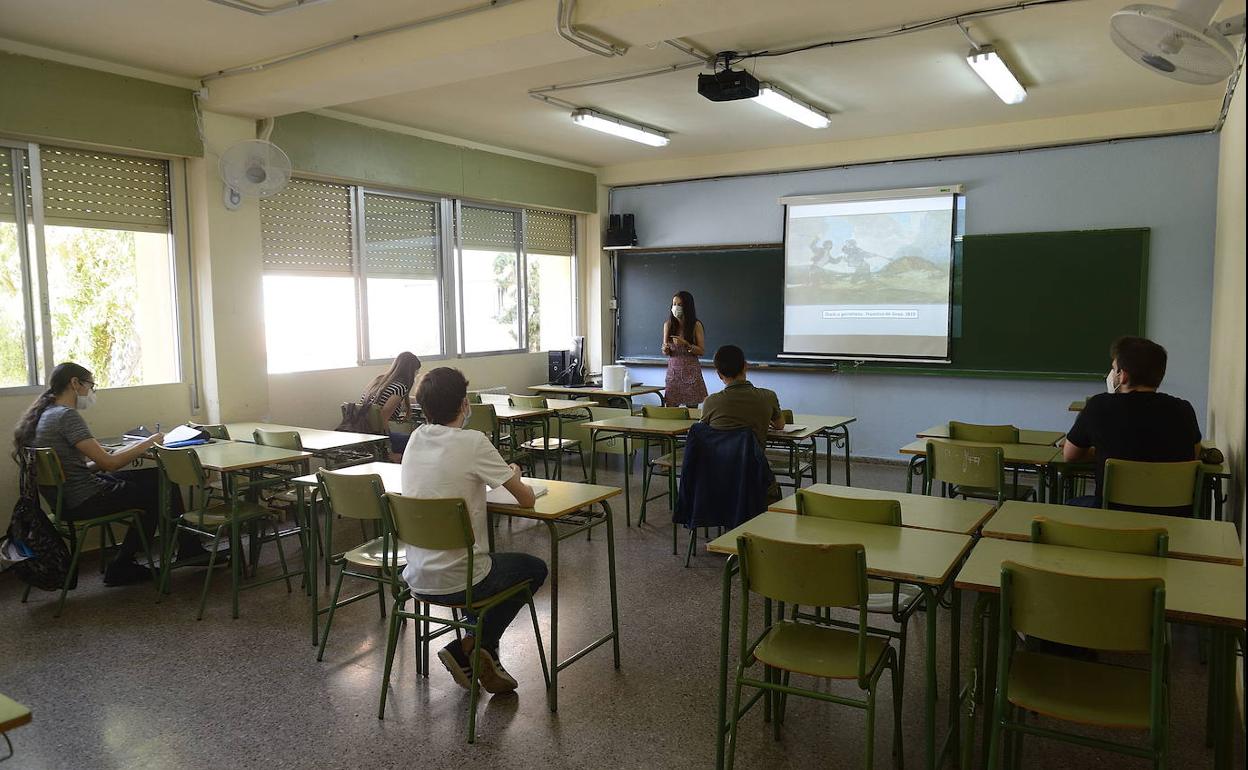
120, 681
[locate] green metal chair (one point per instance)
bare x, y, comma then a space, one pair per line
484, 418
378, 560
1148, 541
885, 597
205, 518
1153, 485
534, 432
442, 525
664, 462
789, 460
12, 716
474, 398
215, 431
815, 575
992, 434
281, 494
1122, 615
969, 471
50, 473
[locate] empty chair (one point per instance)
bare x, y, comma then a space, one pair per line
1149, 541
667, 462
535, 435
1134, 485
970, 471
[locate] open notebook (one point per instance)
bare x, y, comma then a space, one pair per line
789, 429
500, 495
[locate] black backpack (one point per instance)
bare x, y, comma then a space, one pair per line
32, 534
354, 418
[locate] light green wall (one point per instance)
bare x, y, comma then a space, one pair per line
337, 148
47, 100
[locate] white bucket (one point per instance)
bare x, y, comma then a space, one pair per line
613, 377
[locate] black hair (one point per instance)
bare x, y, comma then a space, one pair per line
1143, 359
687, 325
441, 393
729, 360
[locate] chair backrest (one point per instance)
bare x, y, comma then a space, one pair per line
495, 398
788, 416
181, 467
967, 465
886, 512
282, 439
528, 402
374, 419
216, 431
354, 496
1151, 541
435, 524
48, 469
484, 419
1118, 614
665, 412
474, 398
992, 434
609, 444
1152, 485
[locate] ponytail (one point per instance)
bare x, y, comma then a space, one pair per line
24, 432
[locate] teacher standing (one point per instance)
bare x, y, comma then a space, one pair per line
684, 340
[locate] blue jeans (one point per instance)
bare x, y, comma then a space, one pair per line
1085, 501
507, 570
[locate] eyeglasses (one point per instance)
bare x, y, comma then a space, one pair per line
88, 383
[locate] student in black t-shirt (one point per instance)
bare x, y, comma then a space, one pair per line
1133, 421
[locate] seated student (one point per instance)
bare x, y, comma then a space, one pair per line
95, 484
1133, 421
389, 391
444, 461
740, 404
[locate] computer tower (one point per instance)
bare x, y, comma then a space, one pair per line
557, 365
576, 362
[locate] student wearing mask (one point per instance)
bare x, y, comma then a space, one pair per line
1133, 420
442, 460
95, 482
684, 340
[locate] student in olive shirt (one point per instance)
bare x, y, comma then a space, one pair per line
1133, 421
740, 404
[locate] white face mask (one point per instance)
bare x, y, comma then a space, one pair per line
467, 416
1111, 382
678, 311
86, 402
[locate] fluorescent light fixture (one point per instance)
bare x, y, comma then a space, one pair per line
774, 99
609, 124
991, 68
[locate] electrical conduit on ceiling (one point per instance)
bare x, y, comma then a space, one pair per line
267, 10
583, 40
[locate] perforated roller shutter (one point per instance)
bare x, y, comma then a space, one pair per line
400, 237
306, 228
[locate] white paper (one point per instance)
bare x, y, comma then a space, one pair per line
181, 433
789, 429
500, 495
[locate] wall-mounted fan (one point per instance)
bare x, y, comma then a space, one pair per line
1183, 43
256, 168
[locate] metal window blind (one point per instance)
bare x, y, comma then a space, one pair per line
306, 228
487, 229
400, 237
548, 232
6, 186
95, 189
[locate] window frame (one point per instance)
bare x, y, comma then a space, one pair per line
33, 262
575, 257
522, 288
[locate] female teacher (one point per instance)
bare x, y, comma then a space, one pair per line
683, 341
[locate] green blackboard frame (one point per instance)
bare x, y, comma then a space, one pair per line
1041, 305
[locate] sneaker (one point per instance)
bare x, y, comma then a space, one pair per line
493, 677
457, 663
122, 573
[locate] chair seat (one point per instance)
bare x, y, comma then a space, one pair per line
803, 648
108, 518
370, 555
285, 496
548, 444
665, 461
221, 513
880, 596
1080, 691
1012, 492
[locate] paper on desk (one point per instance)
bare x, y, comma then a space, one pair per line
500, 495
789, 429
182, 433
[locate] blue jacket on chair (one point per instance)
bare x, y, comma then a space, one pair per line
724, 478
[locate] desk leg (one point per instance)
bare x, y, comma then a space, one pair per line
671, 491
593, 455
846, 435
559, 453
615, 608
931, 604
313, 558
554, 616
976, 686
955, 675
721, 714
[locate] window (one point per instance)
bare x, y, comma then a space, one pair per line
309, 284
106, 260
489, 264
402, 257
550, 246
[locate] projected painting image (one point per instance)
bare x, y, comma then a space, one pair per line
869, 277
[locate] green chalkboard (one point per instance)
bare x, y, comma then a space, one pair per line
1034, 305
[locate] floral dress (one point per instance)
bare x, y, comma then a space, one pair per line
685, 386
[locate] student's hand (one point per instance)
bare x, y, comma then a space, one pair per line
667, 349
515, 468
154, 439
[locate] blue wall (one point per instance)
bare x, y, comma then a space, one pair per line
1167, 184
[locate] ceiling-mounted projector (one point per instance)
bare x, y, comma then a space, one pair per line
727, 84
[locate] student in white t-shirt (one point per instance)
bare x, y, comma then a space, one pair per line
444, 461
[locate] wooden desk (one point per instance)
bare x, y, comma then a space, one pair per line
564, 503
834, 429
641, 427
1076, 406
623, 396
1025, 436
1195, 539
1196, 592
12, 714
228, 457
924, 558
313, 439
1026, 455
942, 514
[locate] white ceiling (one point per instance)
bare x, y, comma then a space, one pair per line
474, 86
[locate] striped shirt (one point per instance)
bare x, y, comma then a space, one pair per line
393, 389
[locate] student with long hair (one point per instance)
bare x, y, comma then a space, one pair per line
684, 340
95, 482
390, 390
